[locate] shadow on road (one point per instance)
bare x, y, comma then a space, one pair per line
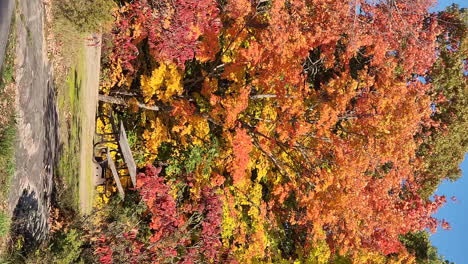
31, 215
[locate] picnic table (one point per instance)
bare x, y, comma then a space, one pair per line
117, 137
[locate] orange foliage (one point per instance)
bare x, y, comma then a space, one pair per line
315, 106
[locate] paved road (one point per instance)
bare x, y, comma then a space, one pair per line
30, 193
6, 8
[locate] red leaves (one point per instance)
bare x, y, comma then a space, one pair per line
103, 250
155, 193
173, 29
445, 225
188, 233
211, 227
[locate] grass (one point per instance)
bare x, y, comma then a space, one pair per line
72, 22
7, 159
69, 77
70, 128
8, 132
4, 224
7, 116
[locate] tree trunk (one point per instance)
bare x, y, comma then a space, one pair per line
121, 101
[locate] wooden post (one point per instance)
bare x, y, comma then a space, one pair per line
121, 101
127, 154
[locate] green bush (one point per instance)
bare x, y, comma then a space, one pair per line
67, 247
63, 248
86, 16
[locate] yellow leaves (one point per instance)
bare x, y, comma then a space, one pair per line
268, 117
149, 85
365, 256
101, 197
164, 82
229, 220
243, 220
194, 130
154, 136
320, 253
104, 127
113, 77
260, 163
190, 128
225, 58
403, 258
201, 129
354, 85
100, 201
137, 31
255, 200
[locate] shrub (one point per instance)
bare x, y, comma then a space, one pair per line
68, 247
86, 16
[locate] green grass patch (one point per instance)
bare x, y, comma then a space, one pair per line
8, 69
70, 129
7, 158
4, 224
8, 131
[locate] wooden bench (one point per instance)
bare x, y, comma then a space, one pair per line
119, 138
102, 165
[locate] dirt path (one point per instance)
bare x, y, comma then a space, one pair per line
89, 95
31, 189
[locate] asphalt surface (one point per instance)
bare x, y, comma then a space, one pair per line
31, 188
6, 9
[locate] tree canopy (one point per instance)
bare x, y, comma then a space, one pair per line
297, 131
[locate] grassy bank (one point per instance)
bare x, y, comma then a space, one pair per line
72, 22
70, 128
8, 131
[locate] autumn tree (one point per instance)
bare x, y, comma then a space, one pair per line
304, 115
446, 142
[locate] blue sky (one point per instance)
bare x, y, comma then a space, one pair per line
441, 4
453, 244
